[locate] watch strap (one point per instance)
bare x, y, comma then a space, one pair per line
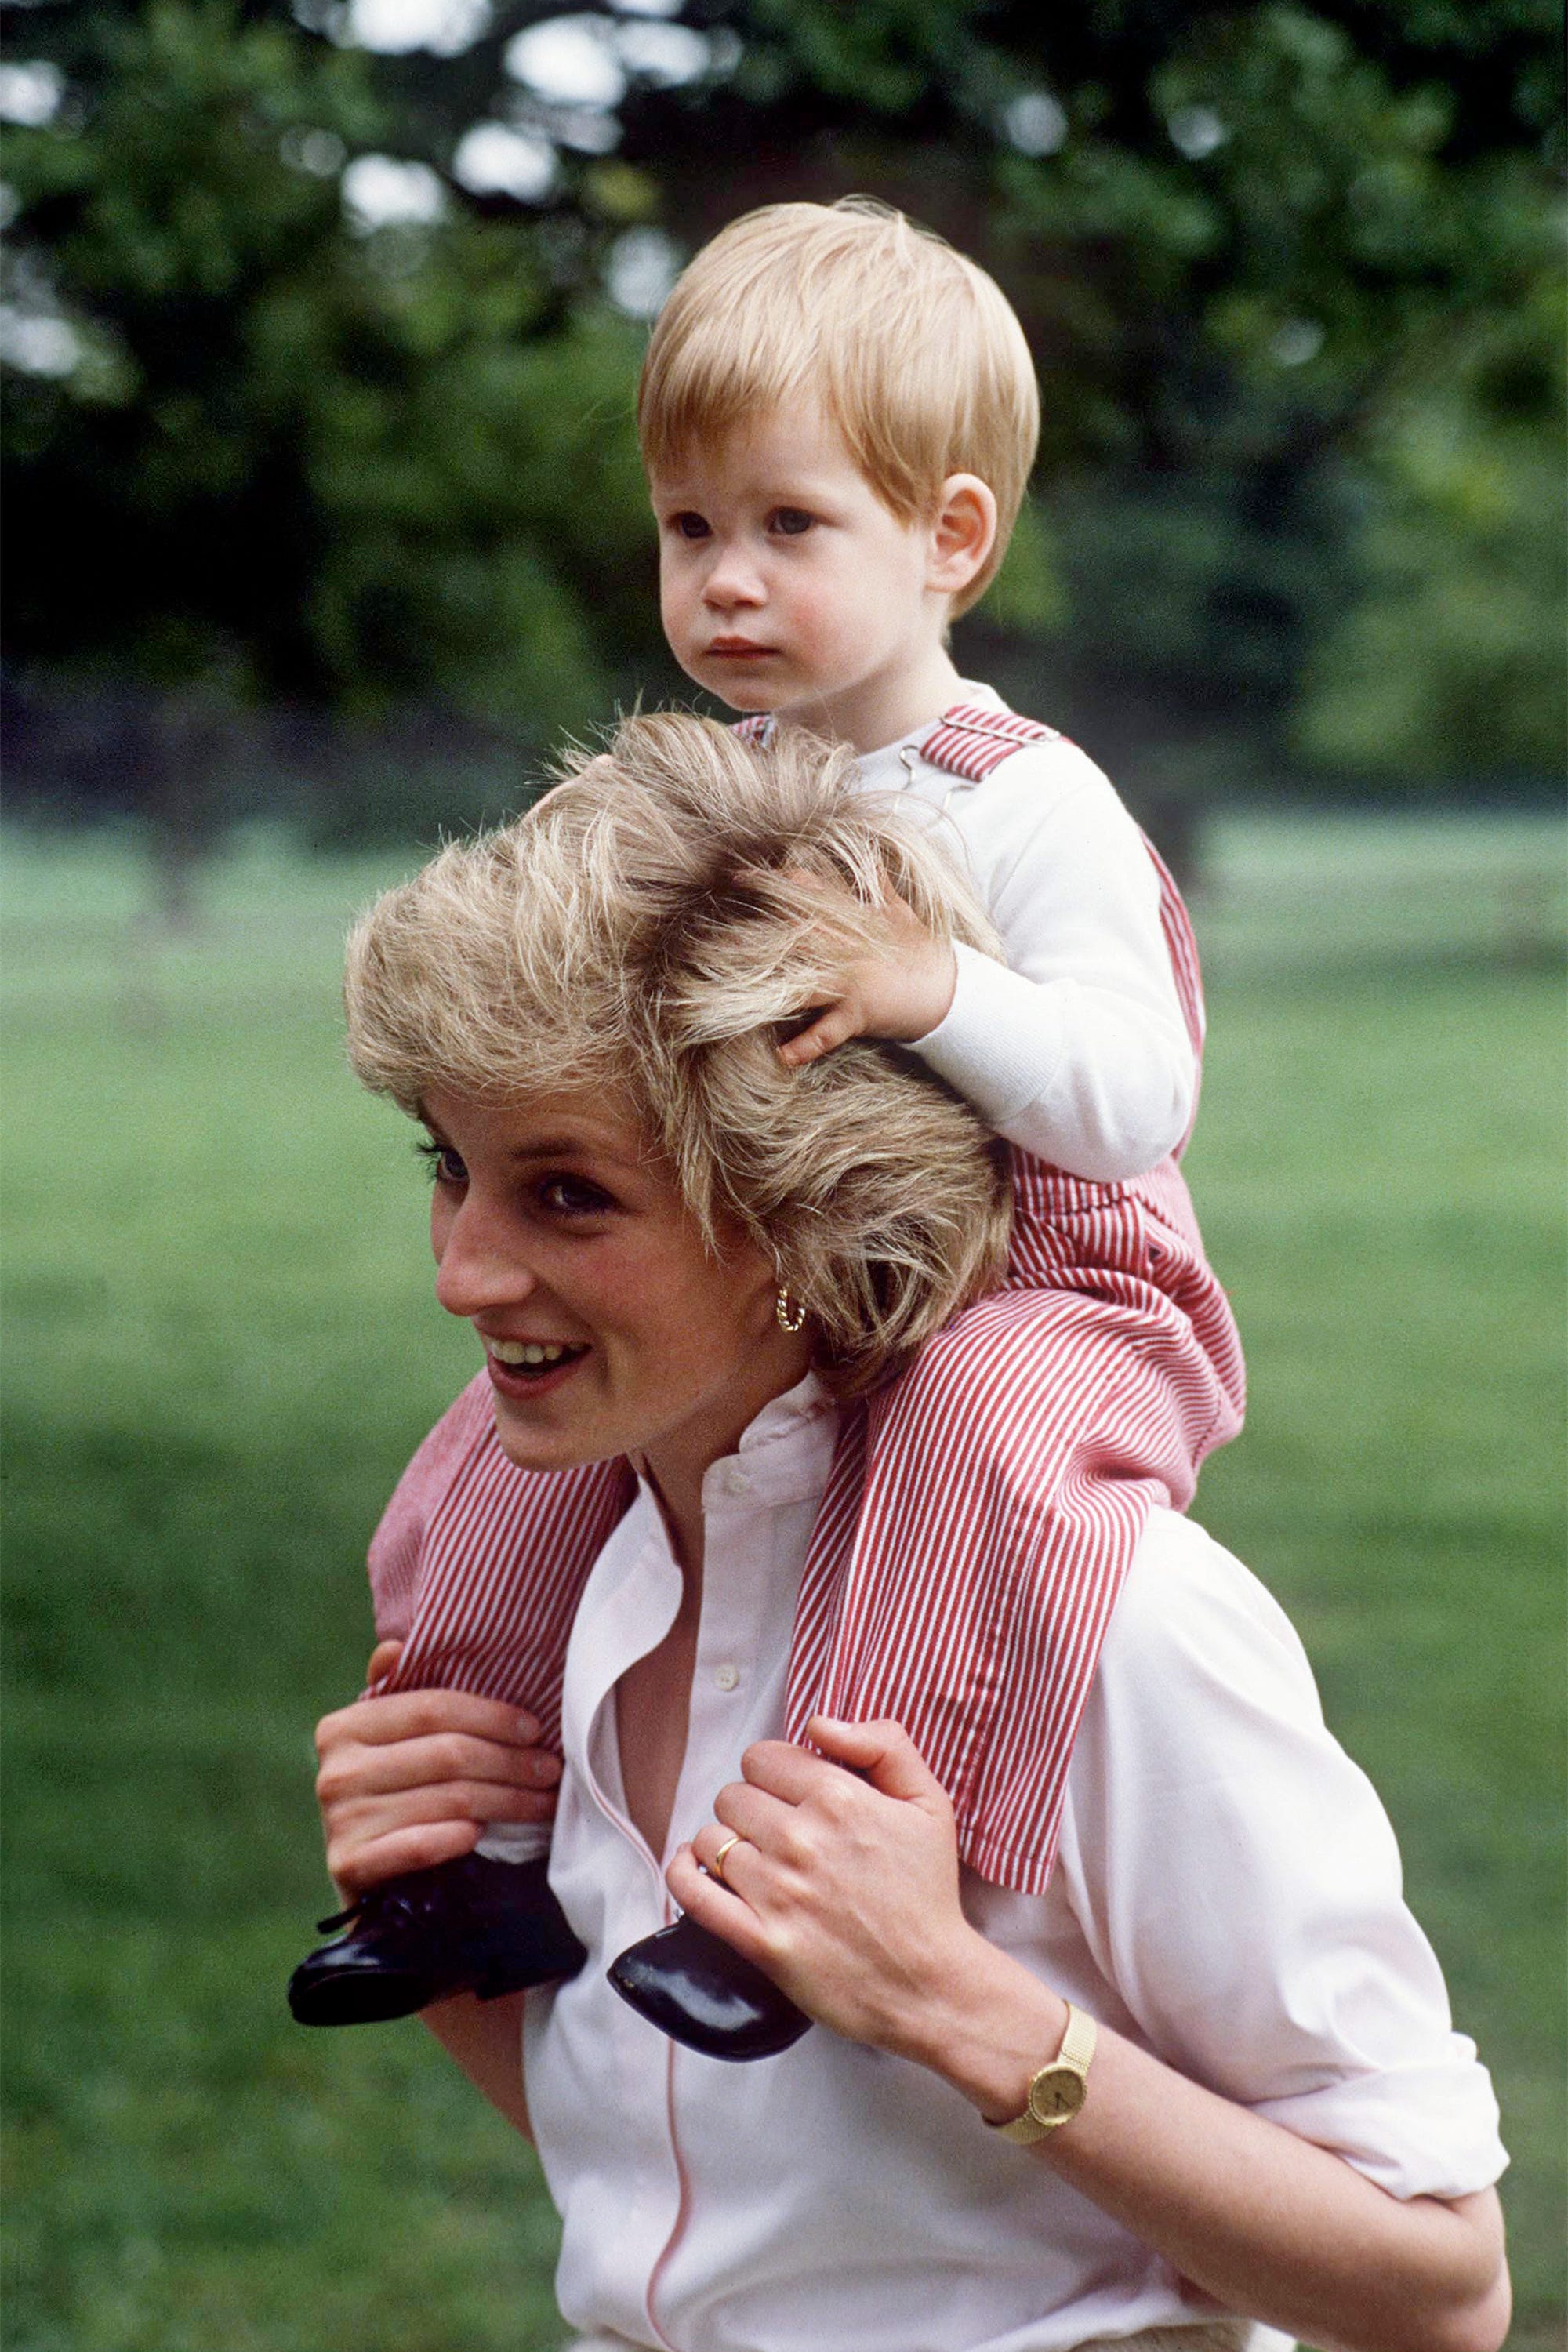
1077, 2050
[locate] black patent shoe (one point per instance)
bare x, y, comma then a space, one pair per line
470, 1925
701, 1991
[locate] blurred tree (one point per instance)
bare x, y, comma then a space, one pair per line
1449, 663
1262, 253
255, 452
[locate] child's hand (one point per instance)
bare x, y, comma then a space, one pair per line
900, 992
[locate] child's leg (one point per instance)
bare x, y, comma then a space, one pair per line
1008, 1479
476, 1570
497, 1567
981, 1516
476, 1566
514, 1842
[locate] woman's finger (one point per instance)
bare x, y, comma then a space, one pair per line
738, 1871
715, 1906
763, 1819
382, 1660
355, 1868
369, 1839
353, 1768
882, 1752
412, 1715
343, 1802
792, 1774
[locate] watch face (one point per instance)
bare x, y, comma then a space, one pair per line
1056, 2093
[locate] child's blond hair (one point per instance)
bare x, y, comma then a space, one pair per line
645, 933
914, 353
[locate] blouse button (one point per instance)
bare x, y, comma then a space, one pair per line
726, 1677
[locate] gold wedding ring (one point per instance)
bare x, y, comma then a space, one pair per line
717, 1871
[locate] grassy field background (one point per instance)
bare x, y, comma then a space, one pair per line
221, 1347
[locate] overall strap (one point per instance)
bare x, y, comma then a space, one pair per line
972, 741
968, 740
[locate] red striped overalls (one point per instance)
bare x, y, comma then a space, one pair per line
981, 1513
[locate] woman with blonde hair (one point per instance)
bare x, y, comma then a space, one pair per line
1203, 2087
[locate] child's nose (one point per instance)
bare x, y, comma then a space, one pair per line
732, 578
478, 1265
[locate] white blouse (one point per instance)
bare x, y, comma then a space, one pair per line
1074, 1047
1227, 1896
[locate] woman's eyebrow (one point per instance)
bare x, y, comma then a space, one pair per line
550, 1147
570, 1147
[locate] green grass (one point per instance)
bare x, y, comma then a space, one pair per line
221, 1346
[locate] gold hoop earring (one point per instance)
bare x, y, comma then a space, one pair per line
790, 1313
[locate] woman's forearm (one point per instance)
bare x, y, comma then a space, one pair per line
1264, 2221
485, 2037
844, 1885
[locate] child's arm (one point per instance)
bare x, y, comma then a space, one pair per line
1075, 1047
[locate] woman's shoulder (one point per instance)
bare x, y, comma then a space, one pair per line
1192, 1618
1204, 1727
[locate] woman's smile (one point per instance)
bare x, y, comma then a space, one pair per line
610, 1326
527, 1367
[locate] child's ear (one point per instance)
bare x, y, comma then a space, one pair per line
962, 534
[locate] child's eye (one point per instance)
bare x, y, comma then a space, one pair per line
688, 526
442, 1164
790, 522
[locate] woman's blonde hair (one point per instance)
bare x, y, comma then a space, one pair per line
914, 353
651, 929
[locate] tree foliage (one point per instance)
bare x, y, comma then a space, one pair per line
298, 462
1287, 271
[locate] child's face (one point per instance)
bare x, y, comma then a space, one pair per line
786, 585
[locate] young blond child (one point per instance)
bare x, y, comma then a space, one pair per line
838, 415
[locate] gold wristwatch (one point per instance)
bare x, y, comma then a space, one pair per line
1057, 2092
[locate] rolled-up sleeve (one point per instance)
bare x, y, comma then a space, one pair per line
1238, 1884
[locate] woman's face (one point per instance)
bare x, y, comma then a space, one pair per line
608, 1325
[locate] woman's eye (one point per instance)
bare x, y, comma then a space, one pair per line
442, 1164
790, 522
573, 1196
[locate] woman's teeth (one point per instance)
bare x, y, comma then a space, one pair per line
532, 1353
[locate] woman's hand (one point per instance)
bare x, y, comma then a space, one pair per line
412, 1779
846, 1891
843, 1888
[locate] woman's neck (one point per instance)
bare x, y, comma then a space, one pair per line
653, 1698
677, 1463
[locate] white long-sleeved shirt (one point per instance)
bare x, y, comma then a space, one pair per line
1227, 1895
1074, 1047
